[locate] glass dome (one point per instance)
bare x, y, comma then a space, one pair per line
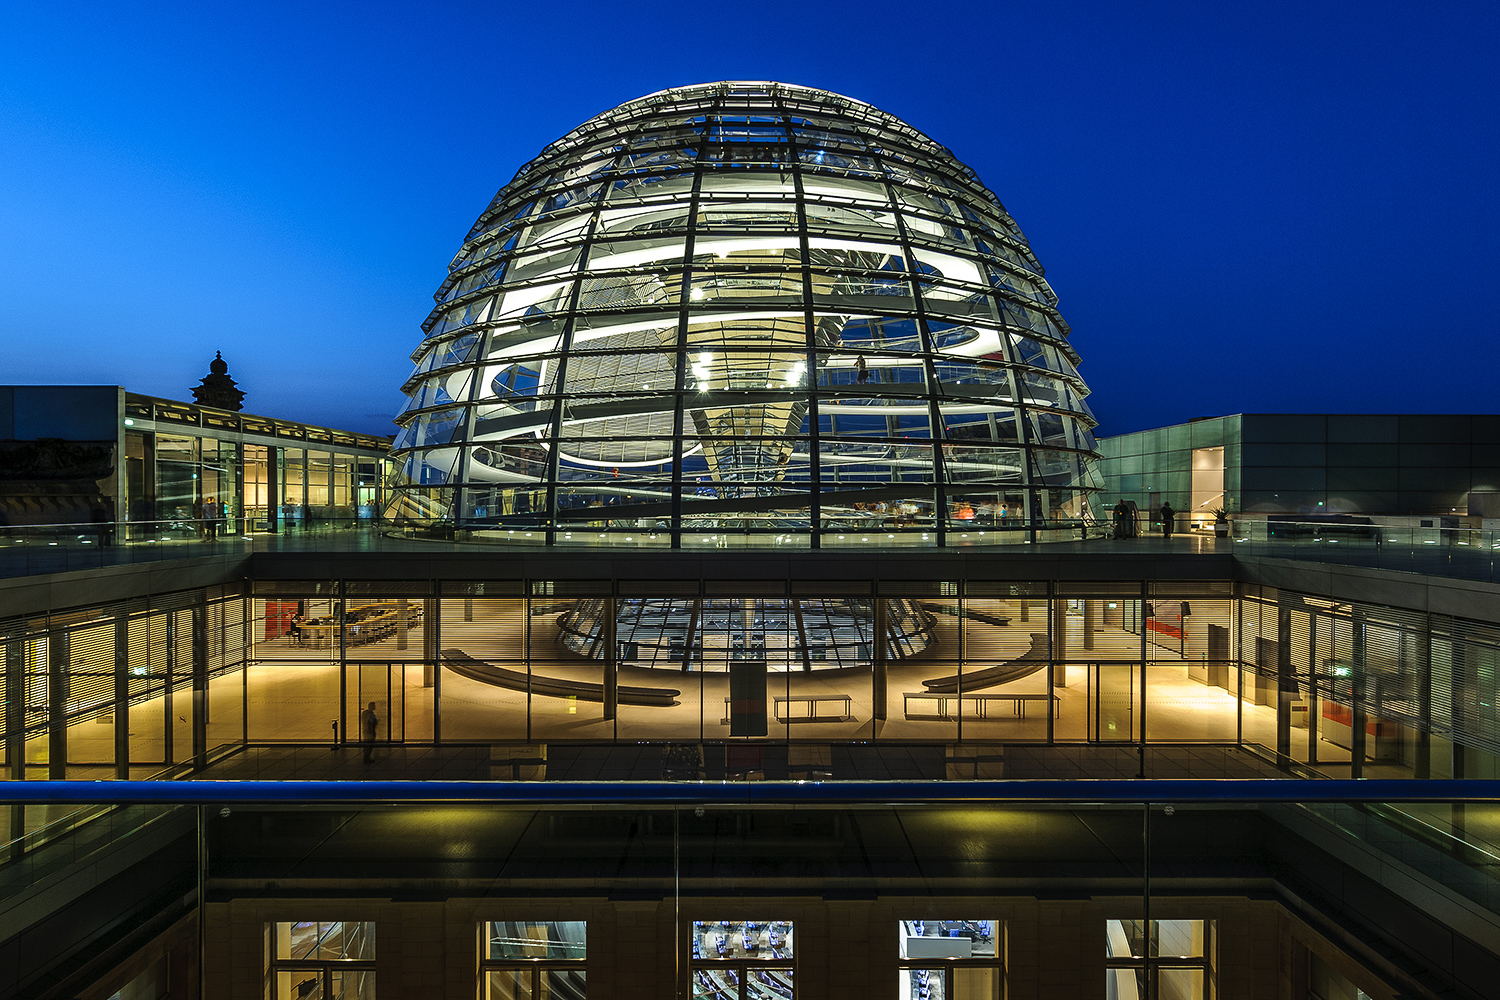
752, 312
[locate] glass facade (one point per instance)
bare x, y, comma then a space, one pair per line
750, 309
1135, 671
1285, 466
269, 475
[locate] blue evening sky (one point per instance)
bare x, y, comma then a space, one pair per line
1243, 207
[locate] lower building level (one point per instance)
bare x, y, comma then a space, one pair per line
749, 775
426, 895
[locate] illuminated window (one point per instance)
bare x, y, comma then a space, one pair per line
321, 960
1175, 964
533, 959
742, 960
951, 959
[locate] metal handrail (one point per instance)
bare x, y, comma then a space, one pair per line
1104, 791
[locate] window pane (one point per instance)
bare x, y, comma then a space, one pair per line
354, 984
1179, 938
921, 984
1124, 939
1124, 984
563, 984
769, 984
1179, 984
976, 984
303, 984
715, 985
508, 984
921, 939
537, 939
325, 940
736, 939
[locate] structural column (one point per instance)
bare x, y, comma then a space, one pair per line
122, 697
611, 660
1461, 688
1357, 722
200, 685
1423, 767
1059, 629
432, 658
15, 735
1286, 681
15, 708
273, 489
1312, 688
879, 694
57, 705
235, 523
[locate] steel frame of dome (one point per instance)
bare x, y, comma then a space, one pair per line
786, 634
745, 309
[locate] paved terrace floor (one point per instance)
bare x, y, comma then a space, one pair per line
32, 552
649, 762
37, 551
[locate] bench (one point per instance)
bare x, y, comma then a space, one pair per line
811, 701
462, 663
952, 612
1025, 665
981, 704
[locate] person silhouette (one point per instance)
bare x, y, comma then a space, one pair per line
369, 724
1167, 514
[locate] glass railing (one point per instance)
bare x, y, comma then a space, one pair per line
1463, 553
720, 761
1395, 861
30, 550
48, 839
1440, 831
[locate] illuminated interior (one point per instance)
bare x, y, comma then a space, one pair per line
745, 308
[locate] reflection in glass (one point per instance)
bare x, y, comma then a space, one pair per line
534, 959
943, 959
559, 939
742, 959
1125, 984
1175, 954
323, 959
335, 940
585, 348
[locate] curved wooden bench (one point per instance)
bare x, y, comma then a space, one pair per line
460, 662
1025, 665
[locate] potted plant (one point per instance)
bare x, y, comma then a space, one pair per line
1221, 523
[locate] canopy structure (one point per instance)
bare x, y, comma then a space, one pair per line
747, 310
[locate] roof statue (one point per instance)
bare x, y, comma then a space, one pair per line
217, 389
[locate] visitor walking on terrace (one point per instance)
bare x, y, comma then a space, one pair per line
369, 724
